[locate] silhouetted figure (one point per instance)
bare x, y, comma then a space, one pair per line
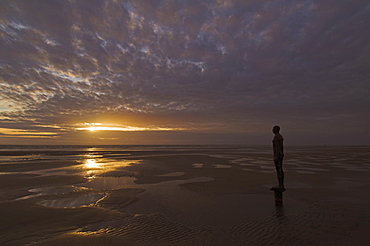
278, 147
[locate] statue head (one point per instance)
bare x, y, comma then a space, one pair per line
276, 129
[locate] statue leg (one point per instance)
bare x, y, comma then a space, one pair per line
280, 173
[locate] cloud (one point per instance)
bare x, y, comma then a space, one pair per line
233, 63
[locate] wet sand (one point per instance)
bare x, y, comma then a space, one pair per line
184, 196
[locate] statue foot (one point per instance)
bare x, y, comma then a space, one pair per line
278, 188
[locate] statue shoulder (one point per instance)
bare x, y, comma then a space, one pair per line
279, 137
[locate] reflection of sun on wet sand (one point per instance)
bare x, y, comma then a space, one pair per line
190, 196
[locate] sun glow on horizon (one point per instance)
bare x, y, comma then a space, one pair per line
110, 127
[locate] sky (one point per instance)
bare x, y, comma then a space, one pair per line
184, 71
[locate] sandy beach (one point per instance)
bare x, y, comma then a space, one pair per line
183, 195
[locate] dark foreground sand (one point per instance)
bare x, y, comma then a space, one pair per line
190, 196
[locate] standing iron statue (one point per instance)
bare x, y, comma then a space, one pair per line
278, 147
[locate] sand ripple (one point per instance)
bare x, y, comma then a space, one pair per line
310, 226
301, 228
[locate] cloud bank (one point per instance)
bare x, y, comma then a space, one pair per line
206, 69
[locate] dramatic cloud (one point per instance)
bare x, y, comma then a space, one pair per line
157, 71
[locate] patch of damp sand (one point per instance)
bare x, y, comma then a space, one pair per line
108, 183
73, 202
238, 160
311, 169
43, 191
172, 174
265, 171
268, 167
177, 203
244, 164
304, 172
197, 165
221, 166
